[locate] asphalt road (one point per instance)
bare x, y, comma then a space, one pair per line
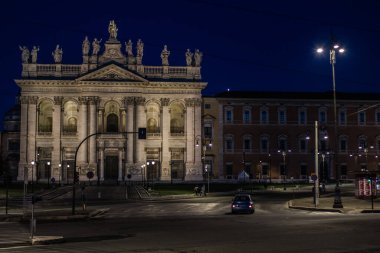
206, 225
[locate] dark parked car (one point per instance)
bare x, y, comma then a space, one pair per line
242, 203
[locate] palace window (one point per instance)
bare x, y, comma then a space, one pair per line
342, 117
264, 115
302, 120
228, 115
322, 115
361, 118
264, 145
247, 144
207, 128
343, 144
229, 144
302, 142
282, 142
377, 116
247, 115
282, 116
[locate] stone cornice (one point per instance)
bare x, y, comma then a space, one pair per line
34, 82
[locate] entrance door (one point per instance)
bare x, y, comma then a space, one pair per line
111, 169
178, 171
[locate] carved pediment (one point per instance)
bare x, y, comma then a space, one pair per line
112, 72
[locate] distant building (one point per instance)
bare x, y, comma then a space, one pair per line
270, 135
10, 143
113, 93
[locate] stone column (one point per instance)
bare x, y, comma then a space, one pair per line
130, 103
32, 131
140, 122
101, 151
101, 120
123, 121
198, 132
193, 153
82, 152
57, 127
190, 136
165, 134
120, 172
23, 163
92, 127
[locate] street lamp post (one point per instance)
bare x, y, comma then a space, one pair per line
284, 153
203, 158
59, 173
335, 48
33, 163
48, 172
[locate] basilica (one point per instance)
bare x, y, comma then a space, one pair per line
99, 106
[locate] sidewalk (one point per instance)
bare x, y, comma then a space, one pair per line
351, 204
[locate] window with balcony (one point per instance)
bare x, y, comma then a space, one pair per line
207, 130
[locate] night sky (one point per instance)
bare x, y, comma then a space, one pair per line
247, 45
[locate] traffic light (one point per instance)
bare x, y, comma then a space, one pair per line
76, 177
142, 133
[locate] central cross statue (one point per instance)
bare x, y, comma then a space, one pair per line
112, 29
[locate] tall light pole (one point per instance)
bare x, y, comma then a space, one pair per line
32, 163
203, 158
334, 49
283, 153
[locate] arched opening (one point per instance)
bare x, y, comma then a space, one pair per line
112, 123
45, 117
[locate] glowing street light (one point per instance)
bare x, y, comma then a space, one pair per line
334, 48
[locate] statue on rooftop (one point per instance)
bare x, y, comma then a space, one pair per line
86, 46
128, 48
112, 29
34, 53
96, 46
140, 51
140, 48
165, 56
25, 54
57, 54
189, 57
198, 57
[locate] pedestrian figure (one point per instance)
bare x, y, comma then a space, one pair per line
203, 190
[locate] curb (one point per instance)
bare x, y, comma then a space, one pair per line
43, 240
316, 209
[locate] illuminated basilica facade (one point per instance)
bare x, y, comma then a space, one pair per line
111, 93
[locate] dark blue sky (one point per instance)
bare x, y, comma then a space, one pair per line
256, 45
